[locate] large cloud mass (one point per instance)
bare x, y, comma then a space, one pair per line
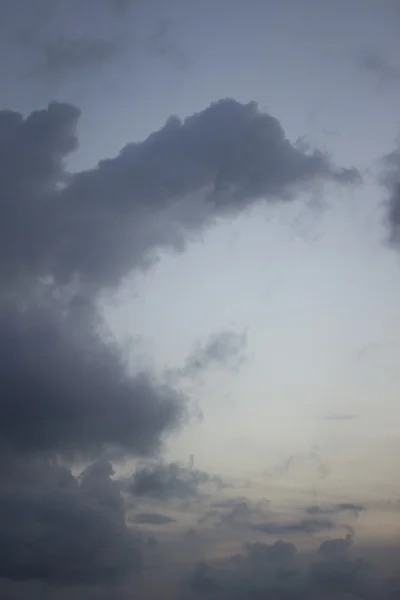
66, 396
107, 220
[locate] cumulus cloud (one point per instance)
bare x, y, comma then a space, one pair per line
165, 481
153, 195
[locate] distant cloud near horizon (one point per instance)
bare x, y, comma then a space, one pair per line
277, 570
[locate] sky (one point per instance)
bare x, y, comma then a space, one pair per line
200, 299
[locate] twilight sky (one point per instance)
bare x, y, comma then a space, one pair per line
200, 299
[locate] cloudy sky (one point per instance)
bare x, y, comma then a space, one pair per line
200, 299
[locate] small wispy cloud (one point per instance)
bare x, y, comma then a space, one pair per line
377, 65
336, 509
340, 417
153, 519
225, 350
306, 526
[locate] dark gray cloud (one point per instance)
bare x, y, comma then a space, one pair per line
153, 519
335, 548
62, 529
346, 578
391, 180
165, 481
203, 580
335, 509
256, 573
306, 526
394, 215
153, 195
63, 390
226, 349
